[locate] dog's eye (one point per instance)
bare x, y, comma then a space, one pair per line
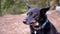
31, 14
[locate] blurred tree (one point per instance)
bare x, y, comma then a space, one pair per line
58, 2
52, 4
18, 6
12, 6
0, 9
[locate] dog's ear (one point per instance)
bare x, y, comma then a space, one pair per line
28, 6
44, 10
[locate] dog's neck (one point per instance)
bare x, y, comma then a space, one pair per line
43, 25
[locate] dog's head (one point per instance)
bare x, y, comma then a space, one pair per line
35, 16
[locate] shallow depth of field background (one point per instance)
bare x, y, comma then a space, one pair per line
12, 13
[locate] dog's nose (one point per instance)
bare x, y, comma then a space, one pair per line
24, 22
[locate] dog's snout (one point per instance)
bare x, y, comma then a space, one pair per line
24, 22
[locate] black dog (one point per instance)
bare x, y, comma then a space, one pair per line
37, 19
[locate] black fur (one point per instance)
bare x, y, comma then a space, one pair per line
41, 14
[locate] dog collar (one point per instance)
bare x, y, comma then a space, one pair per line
43, 25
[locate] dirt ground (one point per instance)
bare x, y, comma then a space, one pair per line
54, 18
12, 24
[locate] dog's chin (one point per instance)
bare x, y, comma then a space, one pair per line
27, 24
36, 27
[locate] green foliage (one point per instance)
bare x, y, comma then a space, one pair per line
12, 6
18, 6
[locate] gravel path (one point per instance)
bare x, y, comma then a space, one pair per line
12, 24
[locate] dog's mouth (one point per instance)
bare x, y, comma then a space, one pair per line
35, 25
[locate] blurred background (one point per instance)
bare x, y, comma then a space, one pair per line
13, 12
18, 6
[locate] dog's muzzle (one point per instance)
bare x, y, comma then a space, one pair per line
29, 22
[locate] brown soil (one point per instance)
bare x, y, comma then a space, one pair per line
12, 24
54, 18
